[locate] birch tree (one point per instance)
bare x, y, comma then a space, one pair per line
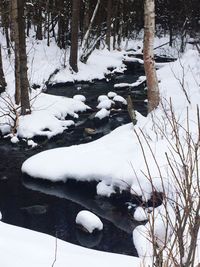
149, 63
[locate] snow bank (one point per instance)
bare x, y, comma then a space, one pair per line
47, 117
21, 248
96, 67
89, 221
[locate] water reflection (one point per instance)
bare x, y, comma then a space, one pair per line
85, 195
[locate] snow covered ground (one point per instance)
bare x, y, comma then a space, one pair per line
21, 247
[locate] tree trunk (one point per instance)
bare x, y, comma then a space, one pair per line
2, 77
25, 103
74, 35
21, 79
15, 36
39, 21
149, 63
86, 50
5, 22
108, 23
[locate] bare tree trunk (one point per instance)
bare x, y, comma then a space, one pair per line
25, 103
15, 36
2, 77
149, 63
74, 35
21, 79
39, 21
86, 19
86, 36
4, 5
108, 23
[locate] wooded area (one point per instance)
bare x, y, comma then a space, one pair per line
86, 25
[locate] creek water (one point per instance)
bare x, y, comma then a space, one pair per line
52, 208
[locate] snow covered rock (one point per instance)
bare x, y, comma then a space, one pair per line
102, 98
0, 216
101, 114
14, 139
107, 103
140, 214
81, 98
31, 143
120, 102
89, 221
121, 85
105, 190
111, 94
119, 98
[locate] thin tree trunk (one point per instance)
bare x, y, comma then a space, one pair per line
115, 25
86, 19
15, 35
149, 63
108, 23
2, 77
39, 21
74, 35
86, 36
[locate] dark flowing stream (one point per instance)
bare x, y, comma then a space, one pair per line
52, 207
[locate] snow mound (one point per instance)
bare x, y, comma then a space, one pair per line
103, 113
107, 103
31, 143
119, 98
89, 221
111, 94
140, 214
81, 98
105, 190
102, 98
121, 85
14, 139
